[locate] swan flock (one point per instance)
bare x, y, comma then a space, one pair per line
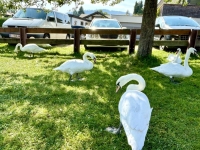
172, 69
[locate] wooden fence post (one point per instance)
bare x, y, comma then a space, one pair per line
192, 38
77, 40
132, 40
23, 36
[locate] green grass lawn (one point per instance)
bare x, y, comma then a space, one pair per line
40, 110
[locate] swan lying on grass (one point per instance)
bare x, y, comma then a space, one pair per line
175, 58
172, 70
135, 111
75, 66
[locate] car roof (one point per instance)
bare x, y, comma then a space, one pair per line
181, 17
103, 19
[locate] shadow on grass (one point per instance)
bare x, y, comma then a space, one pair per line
53, 112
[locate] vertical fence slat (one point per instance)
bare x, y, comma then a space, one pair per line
23, 36
132, 40
192, 38
77, 40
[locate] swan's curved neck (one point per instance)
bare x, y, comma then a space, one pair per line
187, 56
141, 82
177, 56
85, 57
18, 45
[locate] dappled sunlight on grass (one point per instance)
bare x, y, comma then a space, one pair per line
41, 109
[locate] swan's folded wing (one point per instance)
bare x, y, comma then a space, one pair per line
136, 116
169, 69
140, 120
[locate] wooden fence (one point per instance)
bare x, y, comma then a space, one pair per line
192, 42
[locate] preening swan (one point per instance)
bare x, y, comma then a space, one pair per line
135, 111
175, 58
75, 66
31, 48
172, 70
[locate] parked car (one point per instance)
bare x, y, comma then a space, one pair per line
174, 22
37, 18
78, 27
105, 23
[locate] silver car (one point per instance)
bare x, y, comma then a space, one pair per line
174, 22
105, 23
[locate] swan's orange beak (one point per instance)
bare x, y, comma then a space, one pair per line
117, 88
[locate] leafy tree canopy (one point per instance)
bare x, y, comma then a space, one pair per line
15, 4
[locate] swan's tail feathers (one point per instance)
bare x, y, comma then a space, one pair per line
42, 49
154, 68
57, 68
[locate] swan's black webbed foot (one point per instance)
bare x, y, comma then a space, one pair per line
114, 130
78, 77
173, 81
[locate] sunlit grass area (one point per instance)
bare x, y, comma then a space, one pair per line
40, 109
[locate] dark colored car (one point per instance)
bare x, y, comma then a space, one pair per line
77, 27
174, 22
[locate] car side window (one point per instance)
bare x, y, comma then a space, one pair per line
67, 19
51, 17
60, 18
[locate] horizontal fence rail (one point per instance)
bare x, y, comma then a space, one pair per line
77, 41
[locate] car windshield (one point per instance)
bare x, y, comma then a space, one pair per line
181, 22
30, 13
105, 24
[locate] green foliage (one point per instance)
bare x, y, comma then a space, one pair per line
127, 12
39, 109
2, 20
16, 4
101, 11
81, 11
138, 8
75, 13
158, 12
183, 2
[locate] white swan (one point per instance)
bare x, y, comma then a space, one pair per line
175, 58
77, 65
172, 70
31, 48
135, 111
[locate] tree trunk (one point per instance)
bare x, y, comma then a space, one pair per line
147, 29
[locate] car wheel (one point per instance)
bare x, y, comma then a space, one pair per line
46, 36
87, 48
68, 36
162, 47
